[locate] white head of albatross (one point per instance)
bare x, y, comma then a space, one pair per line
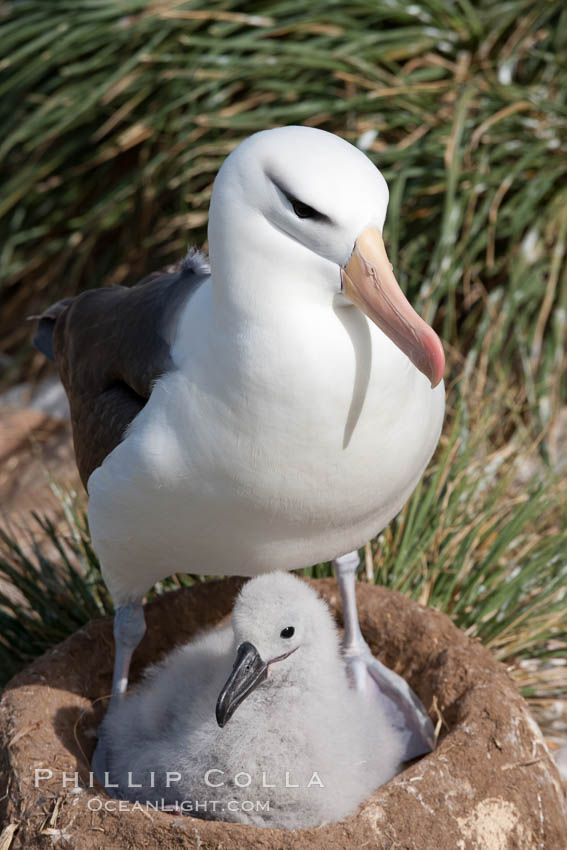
283, 731
307, 211
275, 414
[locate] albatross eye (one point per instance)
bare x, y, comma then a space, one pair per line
288, 632
303, 210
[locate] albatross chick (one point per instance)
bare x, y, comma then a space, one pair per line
254, 722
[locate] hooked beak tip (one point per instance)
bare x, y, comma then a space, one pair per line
248, 672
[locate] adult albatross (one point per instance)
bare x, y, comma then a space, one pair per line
272, 413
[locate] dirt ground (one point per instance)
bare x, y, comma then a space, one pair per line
34, 443
489, 785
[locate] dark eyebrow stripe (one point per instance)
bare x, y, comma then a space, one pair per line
319, 216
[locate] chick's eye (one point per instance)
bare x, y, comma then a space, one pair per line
288, 632
303, 210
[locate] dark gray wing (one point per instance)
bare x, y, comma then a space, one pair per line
110, 346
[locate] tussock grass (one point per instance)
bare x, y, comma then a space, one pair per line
483, 546
53, 586
118, 115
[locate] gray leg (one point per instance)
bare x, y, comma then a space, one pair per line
402, 706
129, 629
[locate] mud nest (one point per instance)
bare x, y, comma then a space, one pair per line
490, 785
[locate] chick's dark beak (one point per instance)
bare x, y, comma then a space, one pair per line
248, 672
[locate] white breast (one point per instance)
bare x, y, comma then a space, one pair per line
291, 444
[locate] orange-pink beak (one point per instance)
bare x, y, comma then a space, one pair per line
369, 282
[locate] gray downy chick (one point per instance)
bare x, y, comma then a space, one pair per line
255, 722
